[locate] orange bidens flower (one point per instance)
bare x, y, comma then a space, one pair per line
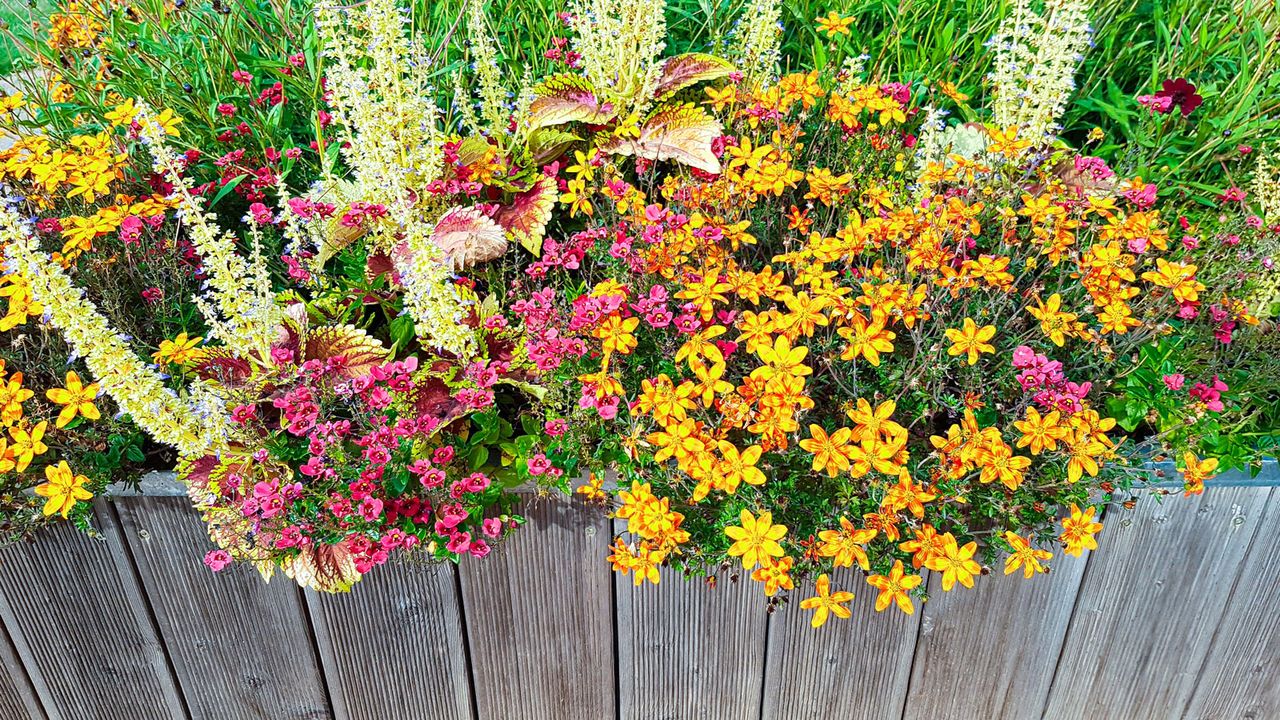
834, 24
1195, 471
845, 546
1078, 530
970, 340
867, 338
755, 539
894, 588
1054, 322
1024, 556
827, 603
830, 452
955, 563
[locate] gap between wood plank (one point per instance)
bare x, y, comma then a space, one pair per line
131, 576
1235, 585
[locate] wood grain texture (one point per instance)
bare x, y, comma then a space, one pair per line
1241, 676
77, 617
539, 618
401, 621
17, 696
241, 648
990, 651
860, 666
688, 651
1149, 599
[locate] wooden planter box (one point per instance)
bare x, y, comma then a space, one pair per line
1173, 619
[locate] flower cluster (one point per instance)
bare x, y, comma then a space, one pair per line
851, 346
810, 321
341, 458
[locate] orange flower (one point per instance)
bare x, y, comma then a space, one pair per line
970, 340
1024, 556
756, 539
827, 603
956, 563
1078, 530
867, 338
1055, 323
894, 588
830, 452
1195, 471
834, 25
844, 546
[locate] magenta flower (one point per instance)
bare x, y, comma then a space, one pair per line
217, 559
1181, 94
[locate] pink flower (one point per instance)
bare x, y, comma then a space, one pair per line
557, 427
1174, 381
1211, 395
371, 509
491, 527
242, 77
539, 465
458, 542
217, 559
131, 230
243, 413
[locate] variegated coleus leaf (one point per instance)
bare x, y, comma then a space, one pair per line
527, 215
568, 98
682, 133
358, 349
224, 367
681, 71
468, 237
547, 144
323, 568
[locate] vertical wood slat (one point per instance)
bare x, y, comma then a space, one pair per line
1239, 676
17, 697
73, 607
1009, 629
1149, 605
240, 648
860, 667
393, 648
539, 617
687, 651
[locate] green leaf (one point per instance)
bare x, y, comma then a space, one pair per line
227, 189
478, 457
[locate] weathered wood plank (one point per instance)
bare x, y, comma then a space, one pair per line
539, 618
17, 697
1160, 581
990, 651
400, 622
688, 651
1239, 677
859, 667
74, 608
240, 648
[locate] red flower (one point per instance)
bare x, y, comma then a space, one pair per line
1181, 93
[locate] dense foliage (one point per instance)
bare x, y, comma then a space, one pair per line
811, 309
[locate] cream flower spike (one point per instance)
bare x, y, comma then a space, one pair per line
194, 424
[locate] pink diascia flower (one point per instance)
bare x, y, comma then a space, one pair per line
217, 559
1211, 395
1174, 381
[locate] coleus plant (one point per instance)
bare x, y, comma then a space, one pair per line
340, 457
